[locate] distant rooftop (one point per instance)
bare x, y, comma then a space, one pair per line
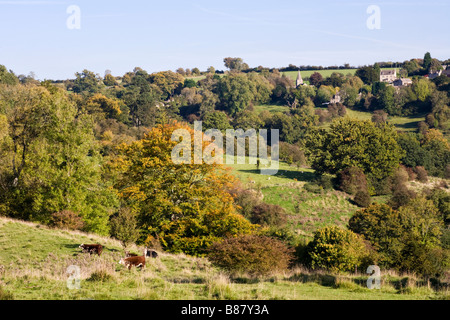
388, 72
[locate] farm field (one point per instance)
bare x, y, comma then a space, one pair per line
402, 123
325, 73
35, 260
273, 108
307, 211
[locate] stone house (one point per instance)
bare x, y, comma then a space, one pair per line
402, 82
388, 76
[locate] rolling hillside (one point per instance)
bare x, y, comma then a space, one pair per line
34, 261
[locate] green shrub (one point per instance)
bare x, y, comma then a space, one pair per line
441, 200
326, 182
313, 187
382, 226
100, 276
284, 234
252, 254
362, 199
445, 239
5, 295
422, 174
124, 227
337, 250
352, 180
401, 197
268, 214
292, 154
424, 260
408, 239
245, 200
67, 219
382, 186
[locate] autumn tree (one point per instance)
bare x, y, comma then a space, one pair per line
337, 249
7, 77
185, 206
382, 226
316, 79
237, 91
104, 106
411, 233
109, 80
168, 82
235, 64
87, 81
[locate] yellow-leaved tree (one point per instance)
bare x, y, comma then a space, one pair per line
185, 206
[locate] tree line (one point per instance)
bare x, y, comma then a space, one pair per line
93, 153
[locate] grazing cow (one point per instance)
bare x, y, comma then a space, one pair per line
137, 262
132, 259
129, 254
92, 248
151, 253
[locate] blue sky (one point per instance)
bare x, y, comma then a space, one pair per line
165, 35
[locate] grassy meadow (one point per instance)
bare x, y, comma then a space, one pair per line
403, 123
325, 73
34, 261
307, 211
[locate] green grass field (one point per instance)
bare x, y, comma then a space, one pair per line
271, 108
307, 211
402, 123
34, 261
325, 73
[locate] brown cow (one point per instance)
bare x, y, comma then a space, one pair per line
129, 262
137, 261
129, 254
92, 248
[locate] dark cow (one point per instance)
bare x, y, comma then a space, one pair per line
151, 253
92, 248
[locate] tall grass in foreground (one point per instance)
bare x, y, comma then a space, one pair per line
39, 271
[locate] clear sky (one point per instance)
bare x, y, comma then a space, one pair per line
165, 35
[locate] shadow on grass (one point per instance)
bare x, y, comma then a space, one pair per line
408, 125
322, 279
196, 280
287, 174
245, 280
72, 246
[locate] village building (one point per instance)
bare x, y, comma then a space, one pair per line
336, 98
299, 81
434, 75
402, 82
388, 76
446, 72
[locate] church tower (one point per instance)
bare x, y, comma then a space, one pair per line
299, 79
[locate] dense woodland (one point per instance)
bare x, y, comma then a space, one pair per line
93, 153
